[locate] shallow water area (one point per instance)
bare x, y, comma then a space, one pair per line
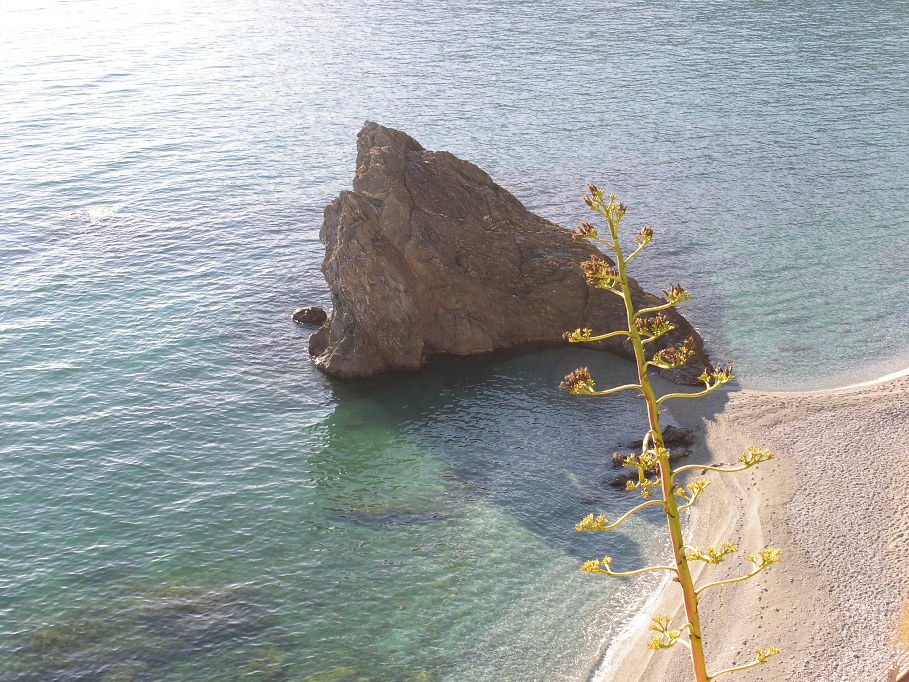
412, 531
185, 497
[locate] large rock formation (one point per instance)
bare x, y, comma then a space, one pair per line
428, 256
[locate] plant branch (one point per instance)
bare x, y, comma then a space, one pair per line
598, 524
736, 669
694, 496
750, 458
697, 467
730, 581
603, 337
644, 342
604, 243
656, 308
762, 656
626, 387
698, 394
628, 574
635, 252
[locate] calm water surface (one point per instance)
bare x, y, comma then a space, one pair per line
184, 497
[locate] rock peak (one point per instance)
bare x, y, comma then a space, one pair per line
373, 135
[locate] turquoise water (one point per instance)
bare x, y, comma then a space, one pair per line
184, 497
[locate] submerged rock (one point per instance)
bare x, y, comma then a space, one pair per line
124, 639
127, 671
339, 674
206, 619
429, 256
674, 456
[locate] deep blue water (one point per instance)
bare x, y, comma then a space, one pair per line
185, 497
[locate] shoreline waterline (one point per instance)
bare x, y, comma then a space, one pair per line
841, 379
893, 376
621, 645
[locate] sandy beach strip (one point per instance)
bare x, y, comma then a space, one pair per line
835, 500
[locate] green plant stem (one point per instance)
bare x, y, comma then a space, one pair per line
603, 337
735, 669
655, 336
627, 515
698, 394
730, 581
637, 571
683, 574
626, 387
707, 467
693, 498
645, 311
635, 252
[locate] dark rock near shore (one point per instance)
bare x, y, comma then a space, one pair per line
674, 456
672, 435
618, 482
428, 256
309, 315
618, 460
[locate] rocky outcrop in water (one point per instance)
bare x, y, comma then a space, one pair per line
428, 256
312, 314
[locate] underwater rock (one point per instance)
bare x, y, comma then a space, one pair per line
339, 674
127, 671
73, 649
618, 482
271, 664
429, 256
207, 618
124, 639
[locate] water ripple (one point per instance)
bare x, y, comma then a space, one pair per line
185, 497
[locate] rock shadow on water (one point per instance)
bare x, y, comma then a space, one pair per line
499, 430
492, 442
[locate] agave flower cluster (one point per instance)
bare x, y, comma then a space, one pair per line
657, 482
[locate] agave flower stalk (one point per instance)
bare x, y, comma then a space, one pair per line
644, 326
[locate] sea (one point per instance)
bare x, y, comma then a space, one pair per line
184, 497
